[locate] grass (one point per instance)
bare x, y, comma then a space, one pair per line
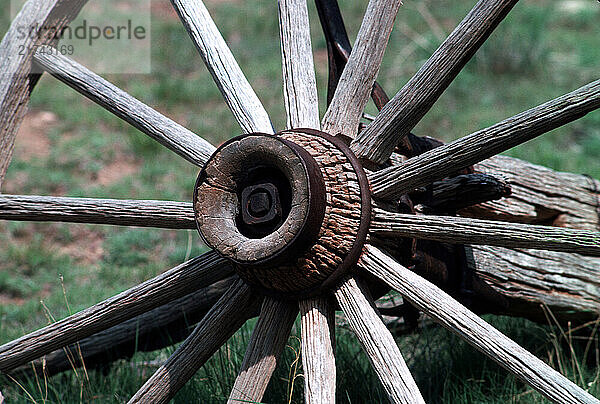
542, 50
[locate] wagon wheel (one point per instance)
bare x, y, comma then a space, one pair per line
295, 216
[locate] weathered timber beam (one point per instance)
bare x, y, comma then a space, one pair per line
142, 213
377, 342
267, 342
540, 195
566, 284
452, 194
173, 284
356, 82
299, 81
237, 92
220, 323
317, 317
449, 313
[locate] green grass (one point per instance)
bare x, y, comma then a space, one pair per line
542, 50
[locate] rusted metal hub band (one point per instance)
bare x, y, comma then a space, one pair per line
291, 210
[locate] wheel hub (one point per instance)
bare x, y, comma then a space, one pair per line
290, 210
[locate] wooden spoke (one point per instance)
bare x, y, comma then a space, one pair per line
142, 213
412, 102
158, 328
299, 82
378, 343
449, 158
318, 350
219, 324
238, 94
16, 52
457, 318
266, 344
177, 282
460, 230
160, 128
356, 83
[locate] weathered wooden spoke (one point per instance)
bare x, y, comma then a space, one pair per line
356, 83
160, 128
299, 82
412, 102
177, 282
318, 350
225, 318
238, 94
458, 230
155, 329
378, 343
452, 157
266, 344
442, 308
121, 212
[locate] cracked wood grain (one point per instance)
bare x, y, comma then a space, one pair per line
318, 350
219, 324
16, 83
458, 230
378, 343
156, 329
121, 212
356, 82
268, 340
299, 81
444, 160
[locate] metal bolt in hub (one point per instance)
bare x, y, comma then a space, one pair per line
261, 204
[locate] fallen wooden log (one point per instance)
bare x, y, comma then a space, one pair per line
568, 284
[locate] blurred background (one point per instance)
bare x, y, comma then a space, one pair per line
68, 146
